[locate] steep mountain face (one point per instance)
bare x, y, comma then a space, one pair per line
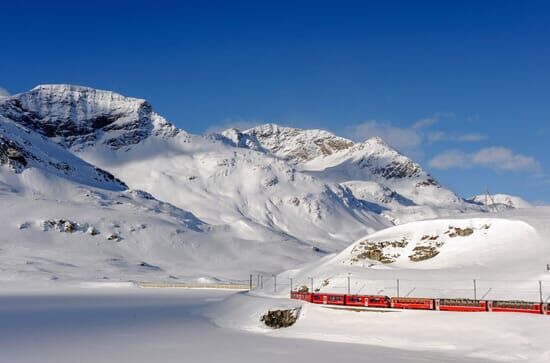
76, 117
23, 150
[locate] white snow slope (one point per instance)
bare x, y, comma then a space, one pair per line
507, 255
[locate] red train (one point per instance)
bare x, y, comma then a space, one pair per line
380, 301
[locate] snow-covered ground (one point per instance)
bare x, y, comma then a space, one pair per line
126, 324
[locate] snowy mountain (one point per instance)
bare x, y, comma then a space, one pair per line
296, 145
372, 170
75, 117
64, 219
266, 192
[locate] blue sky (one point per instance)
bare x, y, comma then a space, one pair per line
463, 87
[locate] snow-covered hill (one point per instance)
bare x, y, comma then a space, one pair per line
507, 254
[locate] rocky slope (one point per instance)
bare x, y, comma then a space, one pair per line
372, 170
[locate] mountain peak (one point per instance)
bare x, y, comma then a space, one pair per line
77, 116
297, 145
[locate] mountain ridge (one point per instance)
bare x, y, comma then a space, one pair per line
270, 187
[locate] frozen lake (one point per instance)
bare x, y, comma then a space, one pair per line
132, 325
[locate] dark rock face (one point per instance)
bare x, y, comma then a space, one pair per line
280, 318
12, 154
75, 117
396, 170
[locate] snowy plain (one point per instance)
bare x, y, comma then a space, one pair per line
141, 325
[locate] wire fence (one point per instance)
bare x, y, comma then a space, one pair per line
477, 289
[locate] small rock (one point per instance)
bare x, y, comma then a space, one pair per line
114, 237
280, 318
92, 231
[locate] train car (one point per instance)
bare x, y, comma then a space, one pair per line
413, 303
329, 299
305, 296
463, 305
378, 301
520, 307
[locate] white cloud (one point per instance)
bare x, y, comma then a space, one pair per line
472, 137
449, 159
425, 122
401, 138
504, 159
4, 93
436, 136
498, 158
407, 138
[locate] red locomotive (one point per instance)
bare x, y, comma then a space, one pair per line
463, 305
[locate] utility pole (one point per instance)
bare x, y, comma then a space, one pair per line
397, 287
540, 291
475, 290
291, 284
311, 279
275, 283
250, 285
349, 283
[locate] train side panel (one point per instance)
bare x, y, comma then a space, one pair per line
464, 305
519, 307
412, 303
329, 299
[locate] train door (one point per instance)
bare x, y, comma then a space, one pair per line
325, 299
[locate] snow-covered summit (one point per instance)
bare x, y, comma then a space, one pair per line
75, 116
297, 145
